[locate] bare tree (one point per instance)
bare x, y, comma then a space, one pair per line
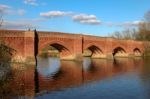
144, 28
116, 35
147, 16
1, 21
144, 33
126, 34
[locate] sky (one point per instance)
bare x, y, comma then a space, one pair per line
93, 17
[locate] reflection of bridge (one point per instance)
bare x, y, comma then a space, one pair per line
69, 74
70, 46
74, 74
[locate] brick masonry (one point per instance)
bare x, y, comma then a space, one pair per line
71, 46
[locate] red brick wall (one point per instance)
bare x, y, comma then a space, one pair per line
23, 42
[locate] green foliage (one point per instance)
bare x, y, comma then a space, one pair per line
5, 52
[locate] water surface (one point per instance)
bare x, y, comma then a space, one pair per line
123, 78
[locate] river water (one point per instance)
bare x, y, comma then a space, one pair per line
122, 78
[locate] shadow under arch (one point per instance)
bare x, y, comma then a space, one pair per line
93, 51
56, 48
59, 47
119, 52
137, 52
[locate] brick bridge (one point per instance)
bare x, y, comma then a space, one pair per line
70, 46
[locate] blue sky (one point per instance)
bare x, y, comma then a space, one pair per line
96, 17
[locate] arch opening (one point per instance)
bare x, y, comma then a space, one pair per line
119, 52
55, 50
93, 52
137, 52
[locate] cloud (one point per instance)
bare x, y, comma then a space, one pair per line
132, 23
18, 25
43, 4
4, 9
81, 18
37, 20
86, 19
30, 2
52, 14
125, 24
21, 12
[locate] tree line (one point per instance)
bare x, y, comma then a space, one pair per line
141, 33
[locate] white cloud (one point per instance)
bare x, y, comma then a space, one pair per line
21, 12
125, 24
86, 19
43, 4
4, 9
18, 25
52, 14
94, 22
37, 20
31, 2
130, 23
81, 18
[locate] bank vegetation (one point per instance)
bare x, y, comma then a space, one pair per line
139, 33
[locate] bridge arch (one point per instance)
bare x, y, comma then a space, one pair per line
119, 51
93, 51
64, 52
137, 52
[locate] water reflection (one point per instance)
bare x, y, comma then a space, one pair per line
48, 67
19, 82
5, 69
86, 64
145, 76
70, 73
53, 75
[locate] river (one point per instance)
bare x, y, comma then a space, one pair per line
121, 78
